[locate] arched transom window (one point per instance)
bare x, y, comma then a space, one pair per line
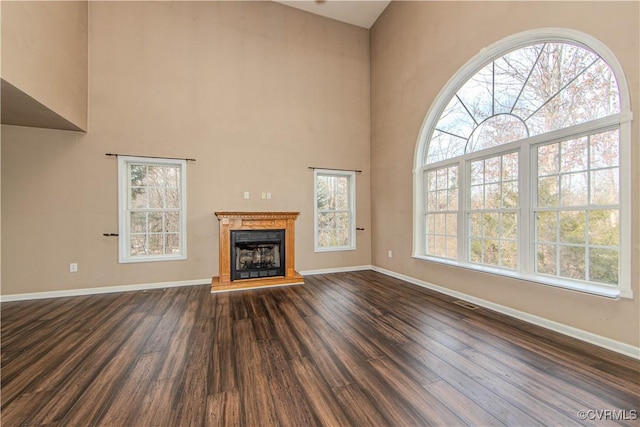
520, 166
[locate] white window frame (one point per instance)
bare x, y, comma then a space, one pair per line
124, 184
351, 175
446, 211
621, 121
467, 210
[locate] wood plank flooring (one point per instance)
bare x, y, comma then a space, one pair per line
346, 349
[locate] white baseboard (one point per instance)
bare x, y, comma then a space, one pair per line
336, 270
102, 290
600, 341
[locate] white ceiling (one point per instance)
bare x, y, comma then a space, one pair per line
362, 13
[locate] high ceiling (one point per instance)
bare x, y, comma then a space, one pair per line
362, 13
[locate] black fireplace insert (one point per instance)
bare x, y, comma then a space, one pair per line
257, 253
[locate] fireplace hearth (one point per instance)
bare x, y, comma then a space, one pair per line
256, 249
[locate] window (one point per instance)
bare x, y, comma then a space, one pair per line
334, 210
493, 214
522, 166
152, 209
441, 215
577, 209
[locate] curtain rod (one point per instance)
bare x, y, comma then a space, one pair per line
150, 157
332, 169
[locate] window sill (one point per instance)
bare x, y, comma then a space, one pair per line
336, 249
588, 288
151, 259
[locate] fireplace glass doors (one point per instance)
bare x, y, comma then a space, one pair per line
257, 254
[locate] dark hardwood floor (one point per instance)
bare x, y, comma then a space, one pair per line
347, 349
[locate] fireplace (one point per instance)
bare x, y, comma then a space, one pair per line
257, 253
256, 249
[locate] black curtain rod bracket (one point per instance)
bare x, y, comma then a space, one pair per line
150, 157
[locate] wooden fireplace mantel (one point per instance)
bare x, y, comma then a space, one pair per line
255, 221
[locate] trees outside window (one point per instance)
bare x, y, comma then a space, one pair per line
522, 169
334, 210
152, 209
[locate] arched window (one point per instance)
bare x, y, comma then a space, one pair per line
522, 165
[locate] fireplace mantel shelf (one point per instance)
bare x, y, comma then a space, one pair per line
258, 215
255, 221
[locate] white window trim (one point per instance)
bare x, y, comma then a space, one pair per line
352, 211
123, 212
623, 119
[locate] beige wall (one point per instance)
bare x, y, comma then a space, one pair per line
255, 92
0, 155
416, 48
44, 50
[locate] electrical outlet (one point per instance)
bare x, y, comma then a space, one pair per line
268, 196
390, 253
246, 195
73, 267
264, 195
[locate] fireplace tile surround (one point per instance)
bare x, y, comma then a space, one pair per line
255, 221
